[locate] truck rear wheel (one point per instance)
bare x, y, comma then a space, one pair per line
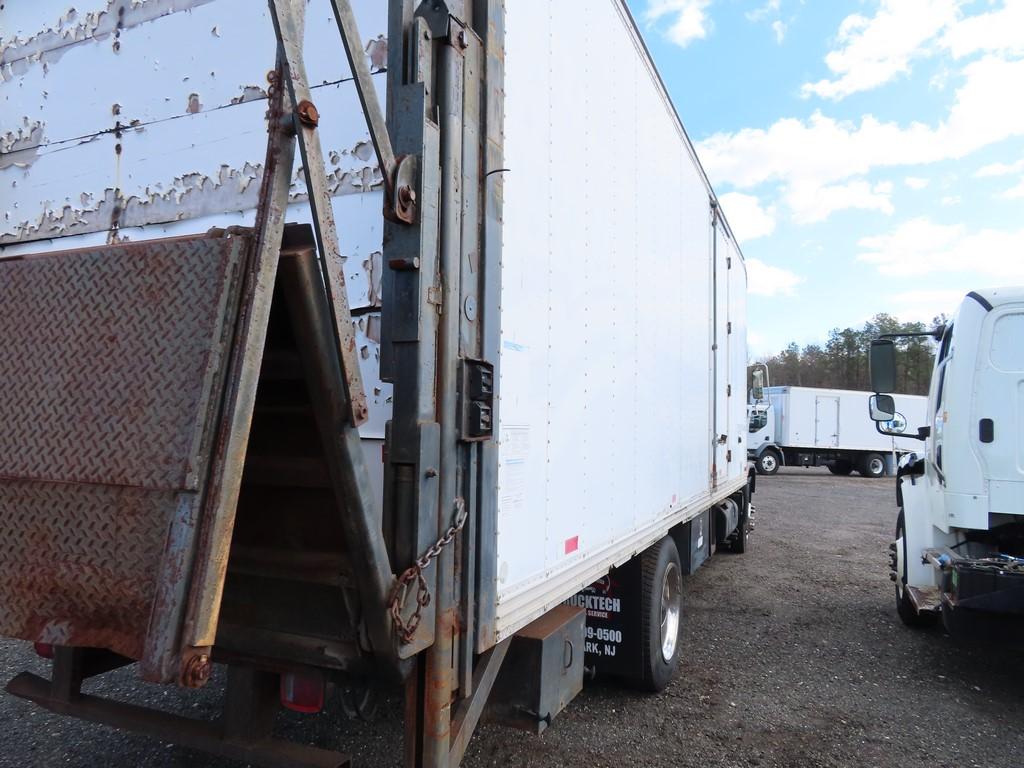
904, 606
740, 539
661, 606
768, 462
872, 465
840, 467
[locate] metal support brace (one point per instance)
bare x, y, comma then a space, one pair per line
288, 23
467, 716
399, 174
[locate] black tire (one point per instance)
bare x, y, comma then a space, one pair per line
840, 467
768, 462
740, 539
904, 606
872, 465
661, 577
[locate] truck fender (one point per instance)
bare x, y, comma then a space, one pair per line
920, 532
774, 446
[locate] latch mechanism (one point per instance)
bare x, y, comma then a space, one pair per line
476, 400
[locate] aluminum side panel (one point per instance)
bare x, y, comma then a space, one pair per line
605, 429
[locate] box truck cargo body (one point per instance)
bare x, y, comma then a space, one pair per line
390, 456
809, 426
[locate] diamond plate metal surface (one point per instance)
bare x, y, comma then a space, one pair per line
105, 358
78, 564
112, 366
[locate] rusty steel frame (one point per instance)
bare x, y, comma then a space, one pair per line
208, 589
445, 105
244, 732
288, 19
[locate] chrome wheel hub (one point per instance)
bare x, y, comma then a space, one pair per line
671, 605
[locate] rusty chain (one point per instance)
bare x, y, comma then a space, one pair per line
406, 630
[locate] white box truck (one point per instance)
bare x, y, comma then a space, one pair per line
959, 550
450, 398
813, 427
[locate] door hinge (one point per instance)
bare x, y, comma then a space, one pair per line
434, 296
728, 262
728, 390
476, 400
728, 327
728, 455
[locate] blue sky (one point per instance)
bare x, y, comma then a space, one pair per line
869, 155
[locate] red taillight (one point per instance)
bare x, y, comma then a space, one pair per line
301, 693
45, 650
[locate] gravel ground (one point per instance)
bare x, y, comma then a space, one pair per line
793, 657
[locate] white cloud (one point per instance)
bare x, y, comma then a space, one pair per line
748, 218
1000, 169
950, 200
923, 306
770, 8
807, 156
998, 30
766, 280
688, 19
811, 203
919, 247
779, 28
872, 51
916, 182
1014, 193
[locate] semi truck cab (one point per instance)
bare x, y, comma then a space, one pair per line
959, 541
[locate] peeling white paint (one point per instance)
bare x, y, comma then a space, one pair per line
28, 134
184, 197
74, 27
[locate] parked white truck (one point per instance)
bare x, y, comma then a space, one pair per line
374, 414
959, 544
813, 427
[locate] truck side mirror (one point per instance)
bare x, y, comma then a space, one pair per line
757, 387
883, 367
882, 408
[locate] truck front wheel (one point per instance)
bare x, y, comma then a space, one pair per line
840, 467
872, 465
904, 606
768, 462
661, 605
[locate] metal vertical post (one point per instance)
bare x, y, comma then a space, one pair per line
441, 655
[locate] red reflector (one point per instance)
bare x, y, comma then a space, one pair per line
45, 650
300, 693
571, 545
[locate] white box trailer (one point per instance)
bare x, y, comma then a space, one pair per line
812, 427
550, 361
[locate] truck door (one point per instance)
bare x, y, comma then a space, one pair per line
826, 422
720, 350
998, 423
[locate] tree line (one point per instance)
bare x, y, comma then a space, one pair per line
842, 362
